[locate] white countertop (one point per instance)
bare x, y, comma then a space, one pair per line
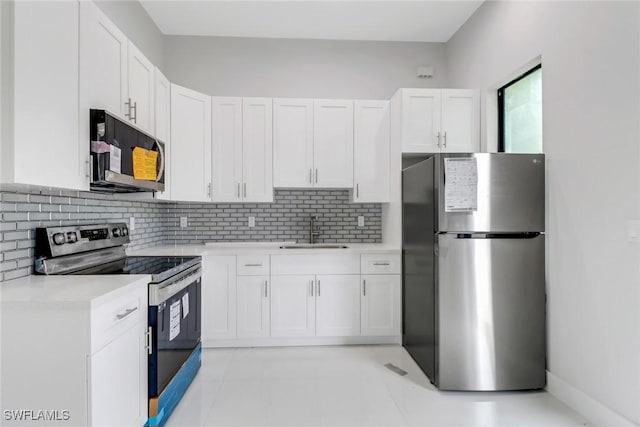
69, 290
266, 248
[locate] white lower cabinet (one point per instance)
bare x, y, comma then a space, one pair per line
253, 306
293, 306
380, 304
218, 297
337, 306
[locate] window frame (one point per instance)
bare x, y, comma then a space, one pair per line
501, 104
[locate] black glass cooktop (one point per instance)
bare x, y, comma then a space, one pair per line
154, 265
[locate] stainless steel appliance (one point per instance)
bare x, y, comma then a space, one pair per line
174, 314
115, 144
474, 270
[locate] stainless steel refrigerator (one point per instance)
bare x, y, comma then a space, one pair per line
474, 270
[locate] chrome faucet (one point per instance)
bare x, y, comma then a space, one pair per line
314, 230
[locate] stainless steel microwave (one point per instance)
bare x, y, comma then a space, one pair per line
124, 159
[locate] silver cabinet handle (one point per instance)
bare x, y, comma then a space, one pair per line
438, 140
253, 265
357, 191
318, 287
149, 340
316, 175
380, 263
88, 162
127, 105
311, 287
364, 287
135, 111
126, 313
244, 193
444, 140
266, 294
310, 176
209, 189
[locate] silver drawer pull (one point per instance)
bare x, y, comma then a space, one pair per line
253, 265
380, 263
126, 313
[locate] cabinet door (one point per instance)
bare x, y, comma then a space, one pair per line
371, 152
218, 297
253, 306
190, 145
257, 150
421, 120
46, 146
141, 90
293, 306
337, 305
163, 127
293, 143
118, 381
226, 145
380, 305
460, 121
103, 63
333, 143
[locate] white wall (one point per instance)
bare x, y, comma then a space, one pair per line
131, 18
591, 112
227, 66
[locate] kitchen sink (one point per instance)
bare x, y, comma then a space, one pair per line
314, 246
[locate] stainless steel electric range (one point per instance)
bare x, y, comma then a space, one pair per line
174, 290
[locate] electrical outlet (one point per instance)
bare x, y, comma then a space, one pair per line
252, 221
132, 223
183, 222
361, 221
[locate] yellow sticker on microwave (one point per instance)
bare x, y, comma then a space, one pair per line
144, 164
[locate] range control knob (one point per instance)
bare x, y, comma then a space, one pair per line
116, 232
58, 238
125, 231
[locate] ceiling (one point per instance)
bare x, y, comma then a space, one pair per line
417, 21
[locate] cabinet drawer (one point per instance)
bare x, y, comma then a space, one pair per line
347, 263
253, 265
113, 318
380, 264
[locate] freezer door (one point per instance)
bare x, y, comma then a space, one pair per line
491, 317
510, 194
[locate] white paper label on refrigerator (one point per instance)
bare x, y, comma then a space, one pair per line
185, 305
174, 320
460, 184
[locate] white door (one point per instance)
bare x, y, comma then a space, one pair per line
190, 145
257, 150
47, 149
218, 297
163, 127
293, 143
371, 152
226, 144
333, 143
141, 90
421, 120
337, 305
293, 307
253, 306
380, 305
460, 121
103, 63
118, 381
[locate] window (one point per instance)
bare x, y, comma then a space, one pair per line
520, 114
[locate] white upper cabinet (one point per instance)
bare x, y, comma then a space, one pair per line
226, 149
42, 113
242, 150
141, 90
371, 152
333, 143
460, 121
257, 150
163, 127
191, 145
293, 143
438, 120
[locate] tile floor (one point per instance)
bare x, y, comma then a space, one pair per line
345, 386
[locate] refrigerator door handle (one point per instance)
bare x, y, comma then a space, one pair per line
524, 235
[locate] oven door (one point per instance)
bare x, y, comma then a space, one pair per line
174, 320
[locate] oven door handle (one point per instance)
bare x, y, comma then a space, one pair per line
157, 295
